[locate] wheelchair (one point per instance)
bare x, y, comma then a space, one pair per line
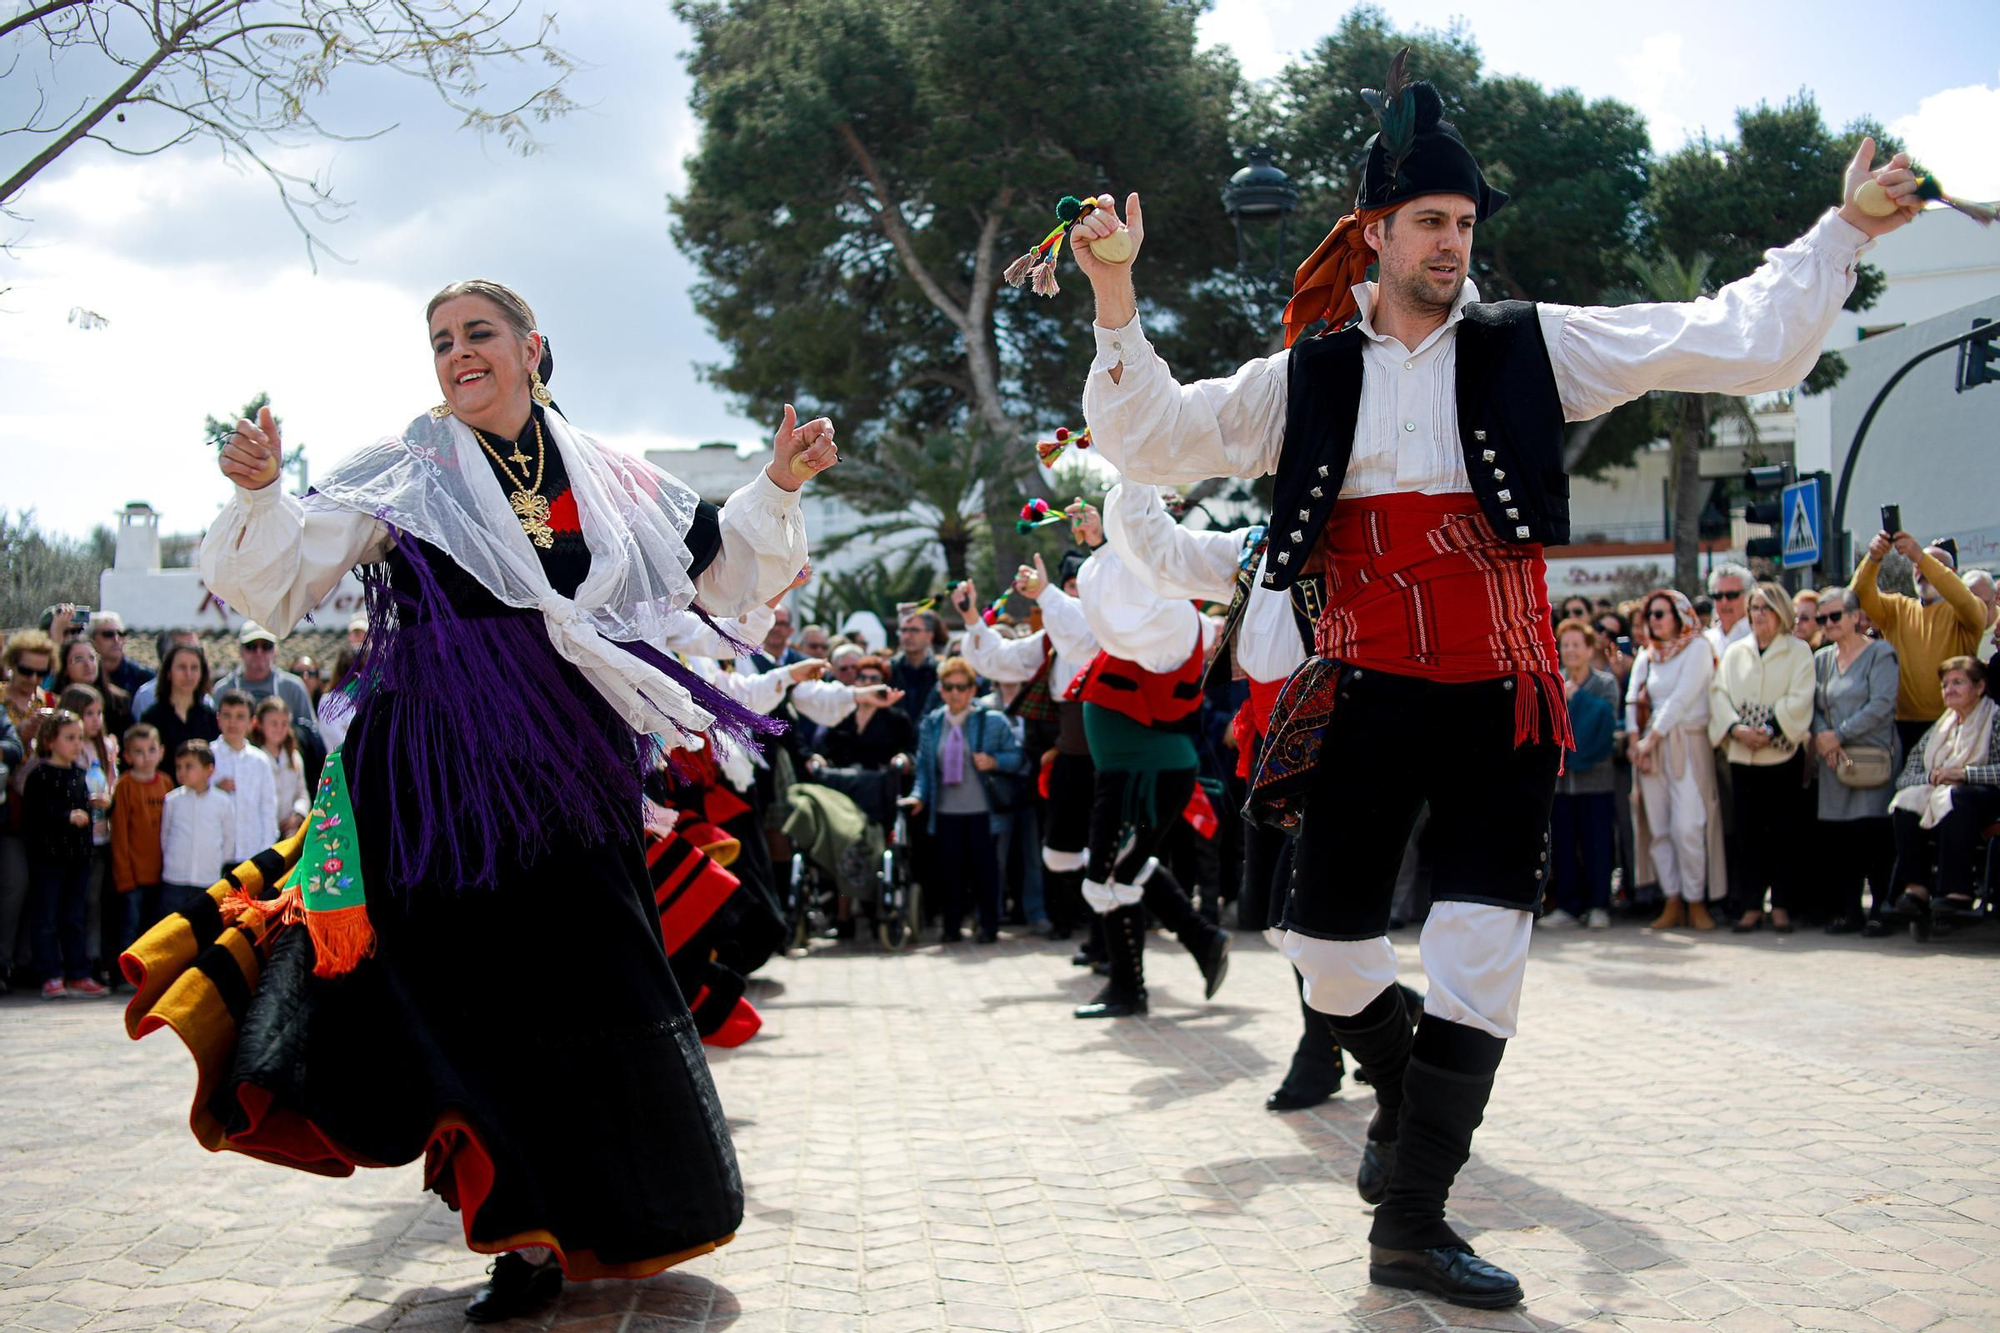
897, 909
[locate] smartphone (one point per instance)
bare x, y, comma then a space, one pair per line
81, 618
1892, 519
1624, 642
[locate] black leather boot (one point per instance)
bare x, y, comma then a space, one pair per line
1124, 995
1379, 1040
516, 1287
1208, 942
1316, 1064
1446, 1084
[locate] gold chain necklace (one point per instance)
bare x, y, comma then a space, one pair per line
529, 505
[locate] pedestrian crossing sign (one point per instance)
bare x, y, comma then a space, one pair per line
1803, 534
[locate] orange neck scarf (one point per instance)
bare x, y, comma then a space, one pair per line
1324, 285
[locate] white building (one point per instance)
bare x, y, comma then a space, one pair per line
1938, 263
1932, 451
713, 471
1934, 266
152, 598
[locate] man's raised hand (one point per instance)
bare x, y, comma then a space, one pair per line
1895, 178
250, 458
1101, 222
1110, 283
802, 450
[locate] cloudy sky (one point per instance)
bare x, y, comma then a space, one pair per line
210, 298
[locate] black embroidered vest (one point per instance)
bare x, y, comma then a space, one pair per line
1510, 421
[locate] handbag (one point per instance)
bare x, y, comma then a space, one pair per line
1005, 792
1866, 766
1758, 717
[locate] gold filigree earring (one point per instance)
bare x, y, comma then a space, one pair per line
440, 412
538, 390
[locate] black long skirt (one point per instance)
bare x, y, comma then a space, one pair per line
527, 1040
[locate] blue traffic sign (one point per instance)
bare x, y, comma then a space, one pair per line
1804, 538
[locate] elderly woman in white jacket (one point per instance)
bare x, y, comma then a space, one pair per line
1676, 820
1760, 711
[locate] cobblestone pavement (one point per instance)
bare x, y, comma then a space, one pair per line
1745, 1135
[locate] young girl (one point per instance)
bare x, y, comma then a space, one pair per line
104, 913
55, 819
274, 734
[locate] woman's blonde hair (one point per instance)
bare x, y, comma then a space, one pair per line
1778, 602
957, 666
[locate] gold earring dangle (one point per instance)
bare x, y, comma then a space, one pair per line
538, 390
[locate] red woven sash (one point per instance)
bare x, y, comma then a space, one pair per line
1420, 585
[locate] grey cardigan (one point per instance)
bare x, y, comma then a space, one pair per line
1859, 705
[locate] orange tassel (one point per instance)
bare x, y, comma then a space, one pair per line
239, 906
341, 939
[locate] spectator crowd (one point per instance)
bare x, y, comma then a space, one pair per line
1751, 758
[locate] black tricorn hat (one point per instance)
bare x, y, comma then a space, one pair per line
1070, 565
1417, 151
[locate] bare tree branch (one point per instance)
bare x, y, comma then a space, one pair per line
245, 73
36, 13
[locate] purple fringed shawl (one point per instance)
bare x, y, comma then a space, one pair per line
495, 742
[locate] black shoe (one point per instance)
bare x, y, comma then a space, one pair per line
1378, 1163
951, 937
1845, 925
1115, 1002
1743, 927
986, 937
1292, 1096
1451, 1271
1215, 964
1082, 957
1876, 929
1059, 933
517, 1287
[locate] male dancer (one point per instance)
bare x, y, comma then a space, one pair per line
1140, 697
1056, 655
1271, 634
1417, 447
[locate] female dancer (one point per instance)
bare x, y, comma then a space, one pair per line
481, 981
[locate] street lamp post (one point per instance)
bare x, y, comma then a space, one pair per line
1256, 197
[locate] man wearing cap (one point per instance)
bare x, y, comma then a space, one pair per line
261, 677
1417, 446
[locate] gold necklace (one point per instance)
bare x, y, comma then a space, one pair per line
529, 505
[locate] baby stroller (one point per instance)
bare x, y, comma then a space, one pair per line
851, 838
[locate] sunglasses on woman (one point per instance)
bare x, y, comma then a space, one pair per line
1828, 617
955, 686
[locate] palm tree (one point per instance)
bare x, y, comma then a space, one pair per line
935, 486
1686, 419
878, 586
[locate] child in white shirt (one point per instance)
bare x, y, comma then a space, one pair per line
197, 828
244, 771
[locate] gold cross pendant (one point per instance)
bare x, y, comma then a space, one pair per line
534, 513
